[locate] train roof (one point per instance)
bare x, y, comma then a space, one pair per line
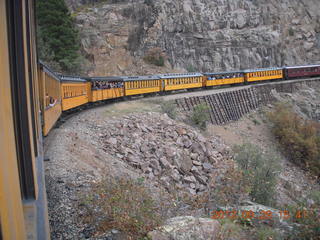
305, 66
139, 78
109, 78
216, 73
48, 71
179, 75
261, 69
72, 79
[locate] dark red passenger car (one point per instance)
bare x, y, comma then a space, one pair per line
301, 71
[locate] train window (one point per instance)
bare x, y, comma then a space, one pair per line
20, 96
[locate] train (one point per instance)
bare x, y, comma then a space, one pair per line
77, 91
33, 97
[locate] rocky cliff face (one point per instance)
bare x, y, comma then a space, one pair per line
198, 35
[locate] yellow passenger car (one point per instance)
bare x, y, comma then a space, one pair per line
50, 97
74, 92
179, 81
103, 88
223, 78
141, 85
263, 74
23, 205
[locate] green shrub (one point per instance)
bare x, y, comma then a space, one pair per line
267, 233
291, 32
191, 68
299, 139
124, 205
306, 218
200, 115
154, 56
230, 229
170, 109
260, 172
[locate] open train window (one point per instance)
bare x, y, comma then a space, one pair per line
21, 97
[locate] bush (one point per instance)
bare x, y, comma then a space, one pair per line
299, 139
191, 68
267, 233
306, 218
260, 172
229, 188
154, 56
200, 115
124, 205
291, 32
169, 108
229, 230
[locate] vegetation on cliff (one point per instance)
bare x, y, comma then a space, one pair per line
299, 138
58, 42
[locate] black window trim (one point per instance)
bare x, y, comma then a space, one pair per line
19, 97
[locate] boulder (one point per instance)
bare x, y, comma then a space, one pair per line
187, 228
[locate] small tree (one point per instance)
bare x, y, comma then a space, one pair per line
154, 56
260, 172
170, 109
200, 115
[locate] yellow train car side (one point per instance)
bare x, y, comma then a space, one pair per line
263, 74
104, 88
74, 92
182, 81
104, 94
50, 97
223, 78
141, 85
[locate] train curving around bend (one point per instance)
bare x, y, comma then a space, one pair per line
33, 98
76, 91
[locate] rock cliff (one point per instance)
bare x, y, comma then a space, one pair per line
197, 35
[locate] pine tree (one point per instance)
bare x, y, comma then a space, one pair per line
57, 36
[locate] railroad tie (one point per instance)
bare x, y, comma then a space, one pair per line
230, 107
211, 114
223, 109
235, 103
215, 107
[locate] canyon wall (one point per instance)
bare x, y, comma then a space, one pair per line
197, 35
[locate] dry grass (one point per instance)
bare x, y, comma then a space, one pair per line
299, 138
122, 204
136, 106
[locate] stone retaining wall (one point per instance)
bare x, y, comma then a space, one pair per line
232, 105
